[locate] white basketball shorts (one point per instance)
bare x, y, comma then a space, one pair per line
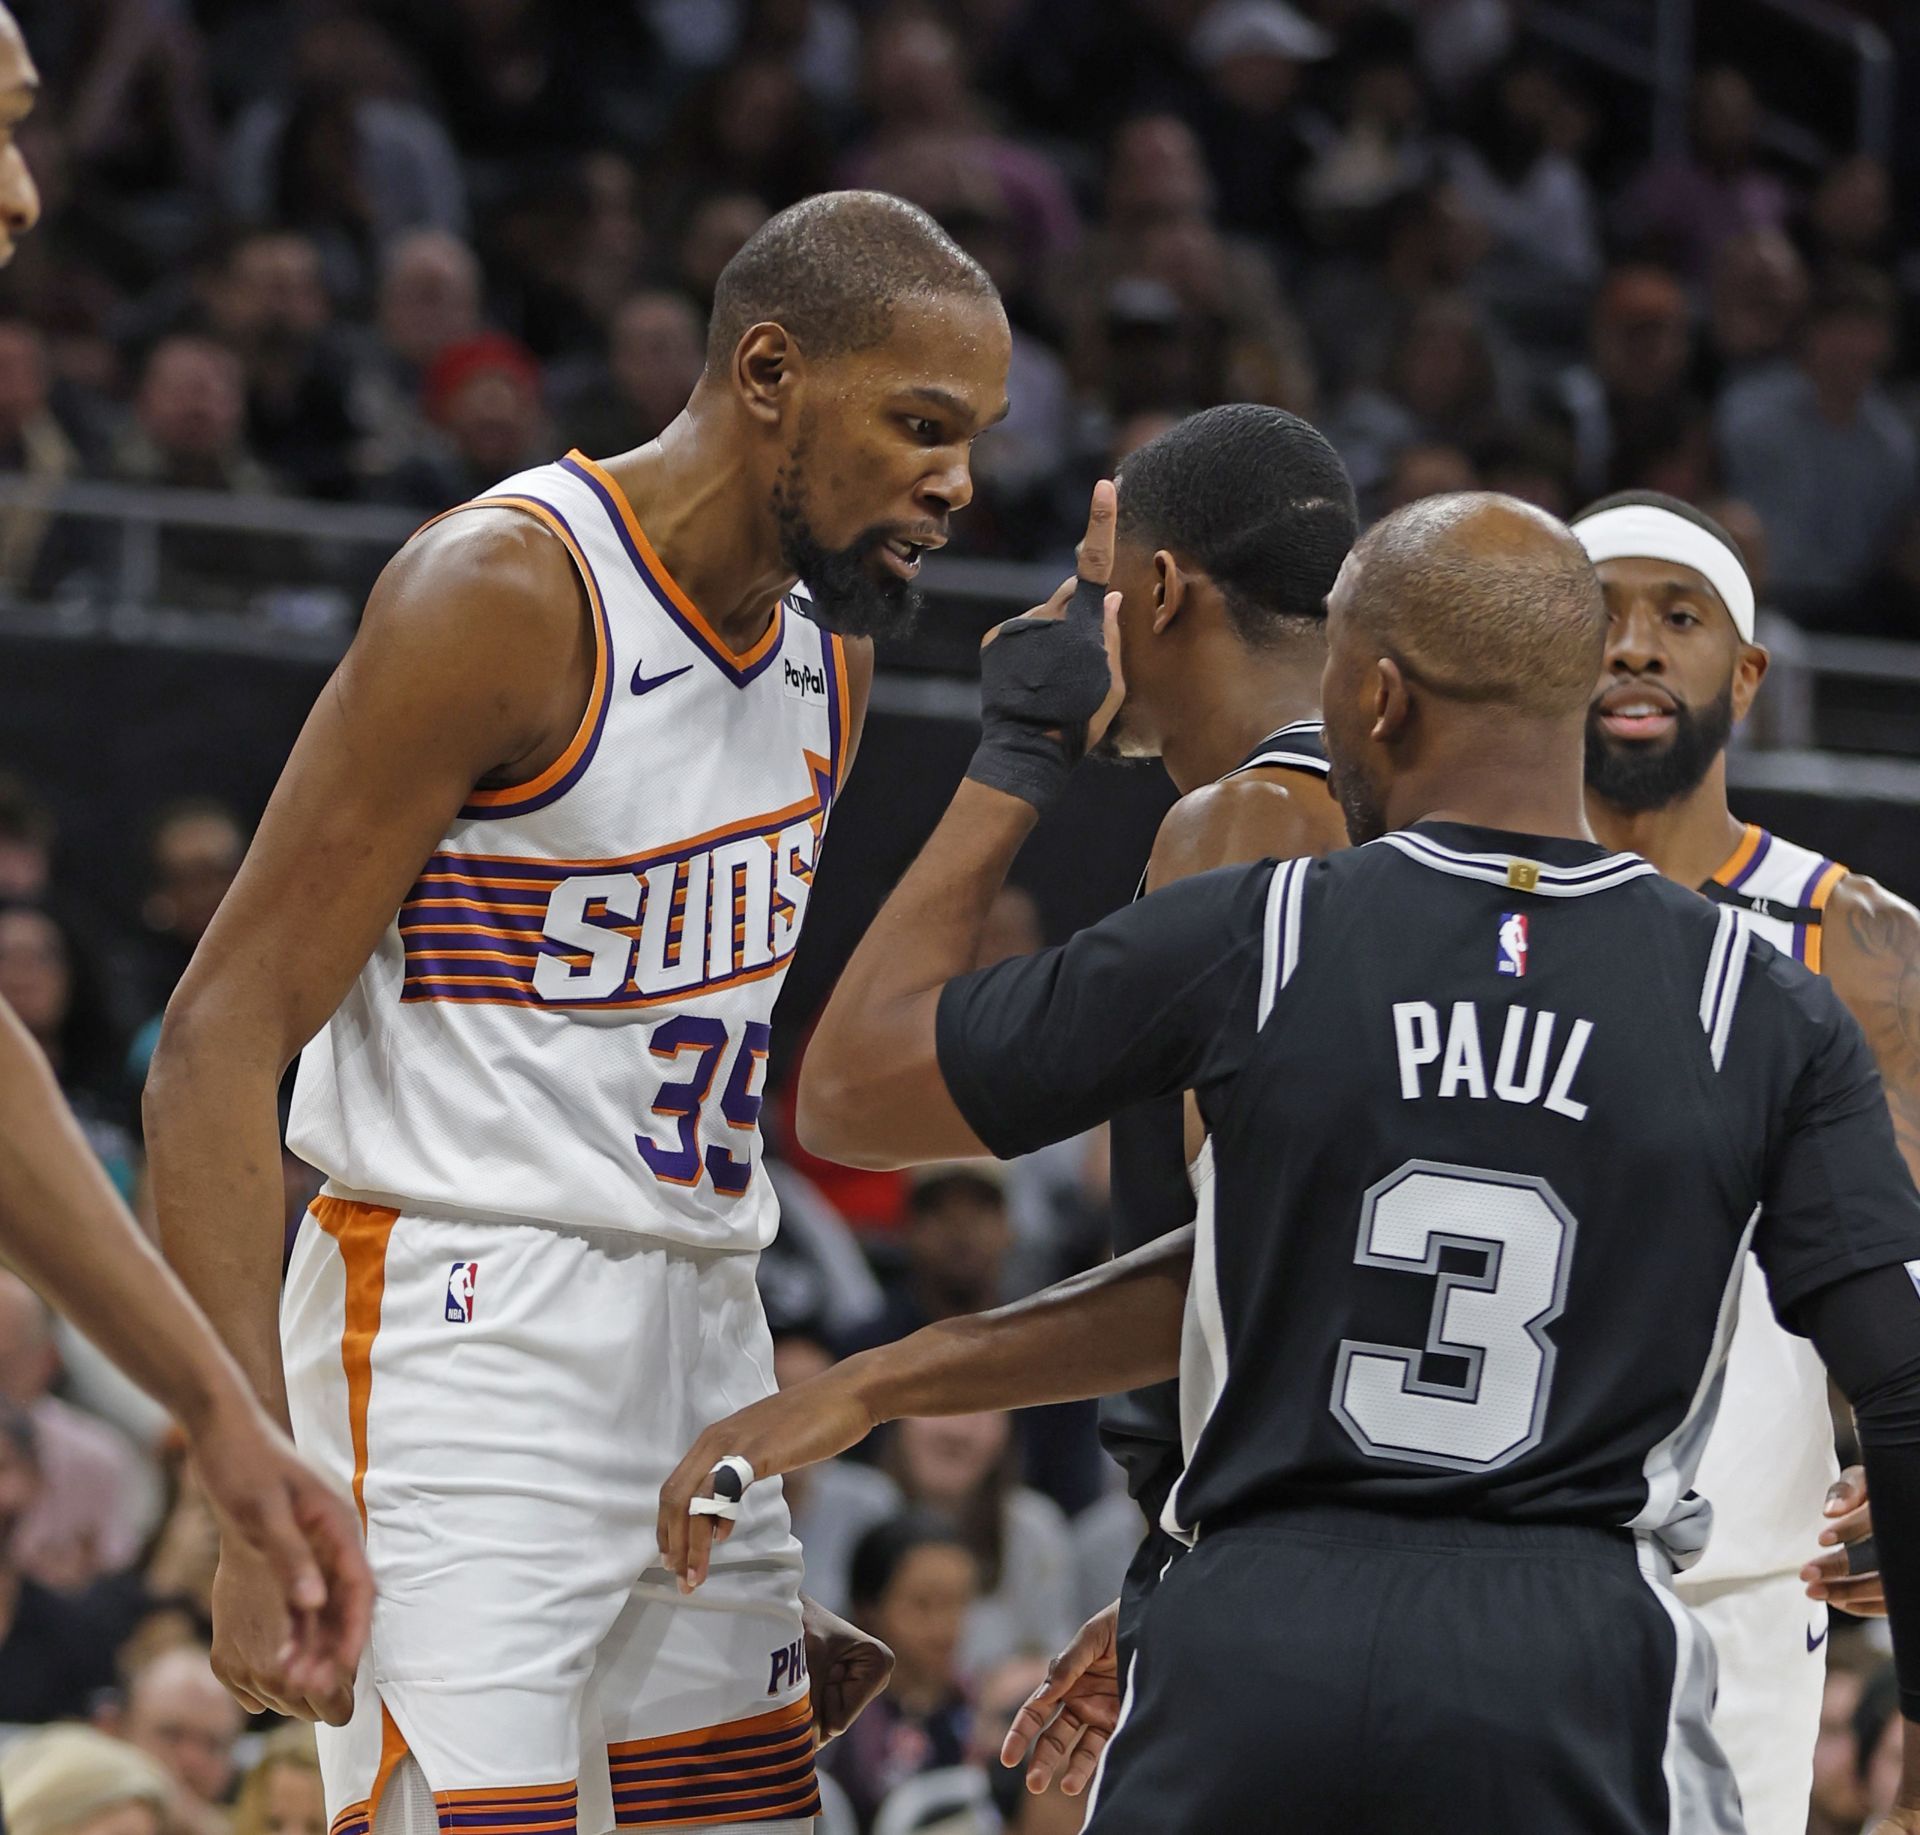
505, 1401
1771, 1641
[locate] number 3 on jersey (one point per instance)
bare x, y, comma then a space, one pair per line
684, 1100
1493, 1320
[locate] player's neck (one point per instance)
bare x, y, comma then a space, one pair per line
1529, 787
1689, 839
702, 509
1235, 701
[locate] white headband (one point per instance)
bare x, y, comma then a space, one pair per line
1644, 531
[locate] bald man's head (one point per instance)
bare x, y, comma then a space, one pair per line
1467, 607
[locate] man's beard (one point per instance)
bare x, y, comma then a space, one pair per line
1118, 745
849, 596
1364, 813
1635, 777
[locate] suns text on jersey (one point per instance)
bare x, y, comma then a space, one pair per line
1520, 1060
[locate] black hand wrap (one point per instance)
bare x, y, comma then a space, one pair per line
1041, 681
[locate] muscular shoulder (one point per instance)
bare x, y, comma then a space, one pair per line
1870, 943
1258, 815
483, 612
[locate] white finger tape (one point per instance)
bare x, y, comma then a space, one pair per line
730, 1478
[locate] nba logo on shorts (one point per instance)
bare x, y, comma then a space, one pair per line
1513, 943
460, 1292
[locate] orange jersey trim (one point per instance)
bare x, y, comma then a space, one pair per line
1749, 844
845, 711
794, 1714
1822, 891
362, 1231
602, 675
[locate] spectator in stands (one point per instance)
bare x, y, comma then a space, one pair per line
1849, 218
1632, 390
656, 348
189, 421
963, 1468
1252, 55
1517, 172
1681, 210
918, 84
957, 1239
835, 1503
749, 127
180, 1716
1755, 304
1380, 146
34, 446
282, 1793
27, 835
52, 982
482, 397
194, 848
346, 155
912, 1579
1427, 469
270, 307
1441, 388
56, 1649
75, 1781
96, 1498
716, 227
1535, 464
1822, 453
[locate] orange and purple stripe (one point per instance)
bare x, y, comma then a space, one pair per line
756, 1770
739, 667
538, 1809
355, 1819
1819, 888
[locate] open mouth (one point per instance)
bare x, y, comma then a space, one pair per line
1635, 711
902, 556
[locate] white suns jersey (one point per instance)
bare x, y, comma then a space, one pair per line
1770, 1458
568, 1018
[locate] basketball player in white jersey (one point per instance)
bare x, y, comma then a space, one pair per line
1681, 670
525, 896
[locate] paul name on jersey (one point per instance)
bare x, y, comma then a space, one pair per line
1463, 1061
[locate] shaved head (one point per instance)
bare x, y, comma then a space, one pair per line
1481, 598
1464, 636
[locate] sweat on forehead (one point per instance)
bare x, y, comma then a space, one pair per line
1481, 598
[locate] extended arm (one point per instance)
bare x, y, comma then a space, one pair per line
1115, 1327
870, 1092
64, 1227
471, 662
1872, 957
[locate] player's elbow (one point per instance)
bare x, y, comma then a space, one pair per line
198, 1033
826, 1114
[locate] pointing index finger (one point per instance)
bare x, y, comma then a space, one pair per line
1093, 559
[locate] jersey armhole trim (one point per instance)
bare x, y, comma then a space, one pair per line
1280, 936
1807, 937
833, 651
566, 770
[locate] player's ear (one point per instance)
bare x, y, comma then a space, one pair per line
1170, 589
766, 363
1391, 703
1749, 671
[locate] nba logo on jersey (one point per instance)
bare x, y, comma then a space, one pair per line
1513, 943
460, 1292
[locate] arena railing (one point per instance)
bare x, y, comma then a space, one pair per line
296, 572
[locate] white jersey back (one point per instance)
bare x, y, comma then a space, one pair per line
568, 1018
1769, 1458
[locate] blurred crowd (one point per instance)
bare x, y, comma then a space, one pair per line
386, 252
389, 251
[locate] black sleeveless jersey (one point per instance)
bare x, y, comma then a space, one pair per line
1495, 1119
1151, 1195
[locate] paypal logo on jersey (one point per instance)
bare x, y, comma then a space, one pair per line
460, 1286
803, 681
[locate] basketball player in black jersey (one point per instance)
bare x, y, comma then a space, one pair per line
1442, 1386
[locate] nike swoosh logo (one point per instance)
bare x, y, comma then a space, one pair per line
1814, 1643
646, 684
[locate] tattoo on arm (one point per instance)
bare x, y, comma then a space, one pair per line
1883, 990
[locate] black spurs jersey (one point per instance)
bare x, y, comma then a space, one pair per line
1494, 1119
1152, 1195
